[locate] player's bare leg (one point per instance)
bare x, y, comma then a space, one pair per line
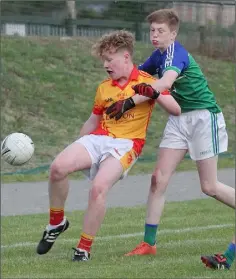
96, 210
166, 165
210, 185
75, 157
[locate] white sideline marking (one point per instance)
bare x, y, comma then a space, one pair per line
167, 231
171, 244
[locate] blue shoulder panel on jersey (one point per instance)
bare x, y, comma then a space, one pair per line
151, 64
176, 58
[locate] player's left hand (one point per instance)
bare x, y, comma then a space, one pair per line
146, 90
117, 109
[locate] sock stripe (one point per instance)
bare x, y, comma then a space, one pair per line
151, 225
87, 236
56, 209
85, 242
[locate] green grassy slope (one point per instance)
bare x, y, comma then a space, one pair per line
48, 86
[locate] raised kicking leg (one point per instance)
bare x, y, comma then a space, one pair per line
75, 157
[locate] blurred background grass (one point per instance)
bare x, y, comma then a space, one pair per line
49, 77
48, 89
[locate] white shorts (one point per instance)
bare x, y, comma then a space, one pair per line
101, 147
202, 132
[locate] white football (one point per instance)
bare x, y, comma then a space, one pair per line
17, 149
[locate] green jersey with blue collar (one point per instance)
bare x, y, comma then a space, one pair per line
190, 89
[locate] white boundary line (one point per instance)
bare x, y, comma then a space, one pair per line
109, 237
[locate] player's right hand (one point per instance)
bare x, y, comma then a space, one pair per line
146, 90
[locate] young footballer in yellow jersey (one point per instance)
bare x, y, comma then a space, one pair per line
107, 147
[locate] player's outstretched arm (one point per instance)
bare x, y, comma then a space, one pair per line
166, 101
144, 91
166, 82
90, 125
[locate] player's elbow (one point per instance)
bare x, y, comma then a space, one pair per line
174, 107
176, 110
169, 104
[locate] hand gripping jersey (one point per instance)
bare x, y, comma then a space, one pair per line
190, 89
133, 124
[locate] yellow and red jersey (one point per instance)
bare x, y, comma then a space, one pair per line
133, 124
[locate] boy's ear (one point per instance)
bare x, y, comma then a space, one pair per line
126, 55
174, 34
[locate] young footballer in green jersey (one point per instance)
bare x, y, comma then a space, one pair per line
199, 130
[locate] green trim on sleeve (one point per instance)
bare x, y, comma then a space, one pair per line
172, 68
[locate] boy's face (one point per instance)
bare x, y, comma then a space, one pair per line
114, 62
161, 36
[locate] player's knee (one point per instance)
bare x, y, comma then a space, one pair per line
97, 192
56, 172
209, 188
159, 181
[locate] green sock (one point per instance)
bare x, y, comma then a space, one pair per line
230, 253
150, 234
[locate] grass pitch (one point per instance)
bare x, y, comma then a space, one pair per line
188, 230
